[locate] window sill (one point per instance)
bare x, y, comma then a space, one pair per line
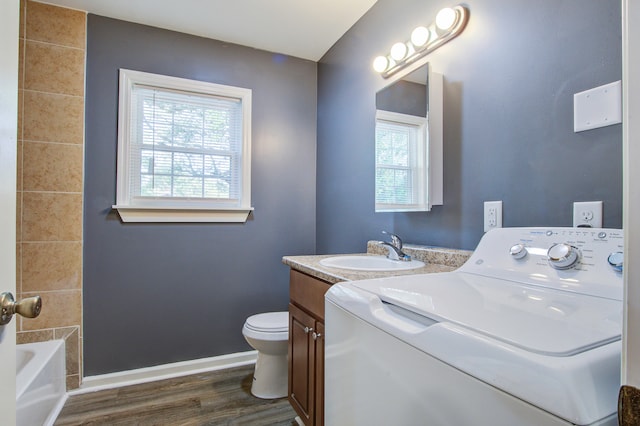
402, 209
168, 215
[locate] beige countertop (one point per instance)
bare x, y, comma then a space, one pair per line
436, 259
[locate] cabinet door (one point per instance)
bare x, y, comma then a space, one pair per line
319, 373
301, 363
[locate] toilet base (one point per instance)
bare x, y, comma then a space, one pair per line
270, 376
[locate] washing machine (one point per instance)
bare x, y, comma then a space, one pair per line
526, 332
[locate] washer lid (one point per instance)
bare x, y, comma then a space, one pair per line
540, 320
271, 322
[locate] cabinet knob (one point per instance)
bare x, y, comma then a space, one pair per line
308, 330
316, 336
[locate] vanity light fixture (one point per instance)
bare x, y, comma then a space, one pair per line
445, 19
449, 23
399, 51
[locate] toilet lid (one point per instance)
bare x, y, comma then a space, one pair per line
269, 322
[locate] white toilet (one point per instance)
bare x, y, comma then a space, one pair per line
268, 333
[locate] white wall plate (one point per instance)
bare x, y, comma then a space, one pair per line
597, 107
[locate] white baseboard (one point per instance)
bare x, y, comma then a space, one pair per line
165, 371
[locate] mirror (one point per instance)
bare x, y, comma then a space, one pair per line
409, 143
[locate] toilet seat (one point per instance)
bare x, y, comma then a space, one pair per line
270, 322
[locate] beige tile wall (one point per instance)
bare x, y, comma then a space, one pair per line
50, 175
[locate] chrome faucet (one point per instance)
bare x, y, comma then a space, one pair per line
395, 248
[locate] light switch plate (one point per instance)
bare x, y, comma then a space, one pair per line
597, 107
587, 214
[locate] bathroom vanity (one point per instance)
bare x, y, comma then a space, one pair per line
306, 346
309, 281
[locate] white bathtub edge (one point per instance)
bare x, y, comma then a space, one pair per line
165, 371
53, 416
42, 357
40, 383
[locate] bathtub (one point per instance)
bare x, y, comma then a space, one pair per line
40, 382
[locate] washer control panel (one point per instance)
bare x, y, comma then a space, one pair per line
583, 260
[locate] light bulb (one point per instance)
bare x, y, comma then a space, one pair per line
399, 51
420, 36
446, 18
380, 63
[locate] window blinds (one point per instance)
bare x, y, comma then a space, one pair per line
185, 145
395, 162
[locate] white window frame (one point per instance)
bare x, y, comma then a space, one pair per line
418, 164
135, 209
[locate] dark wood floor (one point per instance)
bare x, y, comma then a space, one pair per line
215, 398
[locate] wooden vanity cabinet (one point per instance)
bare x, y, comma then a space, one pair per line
306, 346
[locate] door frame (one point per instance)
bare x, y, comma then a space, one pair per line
9, 41
631, 189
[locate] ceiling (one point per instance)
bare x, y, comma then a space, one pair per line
302, 28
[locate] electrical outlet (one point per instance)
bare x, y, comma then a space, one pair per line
587, 214
492, 215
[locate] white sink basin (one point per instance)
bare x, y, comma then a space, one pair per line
369, 263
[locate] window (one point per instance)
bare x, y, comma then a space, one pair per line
401, 162
184, 150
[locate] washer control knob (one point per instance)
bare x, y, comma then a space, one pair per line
616, 260
563, 256
518, 251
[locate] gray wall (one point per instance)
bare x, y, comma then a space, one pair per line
509, 81
159, 293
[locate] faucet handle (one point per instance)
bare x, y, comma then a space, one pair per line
395, 240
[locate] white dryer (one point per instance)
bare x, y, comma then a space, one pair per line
526, 332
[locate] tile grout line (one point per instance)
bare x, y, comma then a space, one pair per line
53, 142
53, 192
44, 92
49, 43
